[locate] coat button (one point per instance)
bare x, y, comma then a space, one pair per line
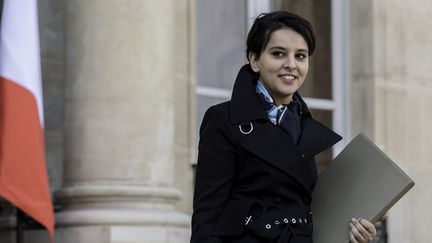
268, 226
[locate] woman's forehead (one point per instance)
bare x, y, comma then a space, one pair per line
286, 38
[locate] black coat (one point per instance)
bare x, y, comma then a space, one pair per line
261, 173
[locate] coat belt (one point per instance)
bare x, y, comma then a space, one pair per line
281, 224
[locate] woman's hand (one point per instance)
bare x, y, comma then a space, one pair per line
361, 231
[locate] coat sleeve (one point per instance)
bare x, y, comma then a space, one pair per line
214, 174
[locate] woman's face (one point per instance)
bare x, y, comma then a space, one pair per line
283, 64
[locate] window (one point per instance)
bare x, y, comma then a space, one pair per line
221, 33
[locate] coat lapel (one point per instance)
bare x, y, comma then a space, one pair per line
315, 138
273, 145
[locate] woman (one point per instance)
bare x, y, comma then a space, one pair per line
256, 168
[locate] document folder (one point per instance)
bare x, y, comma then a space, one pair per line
360, 182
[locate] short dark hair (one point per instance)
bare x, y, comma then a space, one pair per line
266, 23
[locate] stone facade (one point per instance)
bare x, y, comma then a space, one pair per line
391, 98
403, 88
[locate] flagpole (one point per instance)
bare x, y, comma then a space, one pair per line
19, 226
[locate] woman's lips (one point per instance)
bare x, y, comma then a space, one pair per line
287, 77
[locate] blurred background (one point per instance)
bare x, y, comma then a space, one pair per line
126, 82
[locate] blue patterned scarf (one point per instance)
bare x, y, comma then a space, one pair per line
285, 116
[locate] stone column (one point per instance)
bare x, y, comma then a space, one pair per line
120, 109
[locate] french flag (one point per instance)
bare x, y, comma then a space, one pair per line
23, 174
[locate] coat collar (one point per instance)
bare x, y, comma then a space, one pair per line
245, 102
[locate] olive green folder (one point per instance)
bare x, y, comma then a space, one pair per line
360, 182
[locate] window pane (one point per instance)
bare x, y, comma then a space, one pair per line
221, 35
318, 83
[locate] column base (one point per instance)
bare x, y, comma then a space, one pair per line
122, 234
108, 226
122, 226
112, 213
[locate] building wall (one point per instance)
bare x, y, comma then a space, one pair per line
403, 88
391, 52
362, 63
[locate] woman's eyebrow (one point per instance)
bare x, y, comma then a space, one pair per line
279, 48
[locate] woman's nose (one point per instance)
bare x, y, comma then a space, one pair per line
290, 63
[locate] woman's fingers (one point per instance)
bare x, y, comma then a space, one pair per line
352, 238
356, 233
361, 230
368, 226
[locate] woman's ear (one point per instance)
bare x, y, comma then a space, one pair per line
253, 62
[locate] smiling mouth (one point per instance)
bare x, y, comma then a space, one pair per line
288, 77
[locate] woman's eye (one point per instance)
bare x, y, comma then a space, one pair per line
301, 56
278, 54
